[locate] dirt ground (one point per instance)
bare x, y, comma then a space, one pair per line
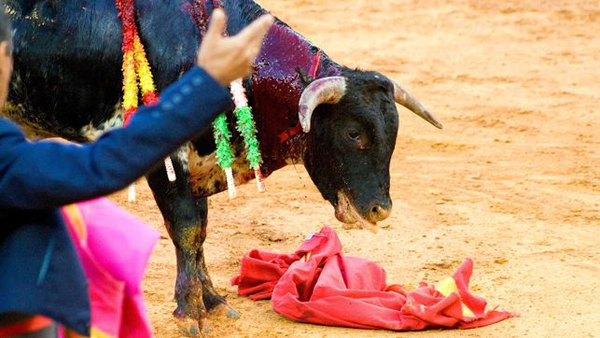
513, 180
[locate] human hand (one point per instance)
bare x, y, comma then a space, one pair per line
229, 58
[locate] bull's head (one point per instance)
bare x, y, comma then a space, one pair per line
352, 123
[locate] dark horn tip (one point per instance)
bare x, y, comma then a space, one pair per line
431, 119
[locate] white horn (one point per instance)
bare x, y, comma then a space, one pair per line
404, 98
328, 90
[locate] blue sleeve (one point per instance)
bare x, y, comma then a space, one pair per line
46, 175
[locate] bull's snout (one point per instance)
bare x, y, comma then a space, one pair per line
379, 213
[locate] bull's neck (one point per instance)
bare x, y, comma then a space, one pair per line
276, 87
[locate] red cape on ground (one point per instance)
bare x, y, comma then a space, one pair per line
317, 284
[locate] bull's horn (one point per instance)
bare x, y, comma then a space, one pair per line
404, 98
328, 90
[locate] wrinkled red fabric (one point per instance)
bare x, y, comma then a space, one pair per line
332, 289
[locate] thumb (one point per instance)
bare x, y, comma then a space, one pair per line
218, 22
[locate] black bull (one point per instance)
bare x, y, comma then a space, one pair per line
340, 123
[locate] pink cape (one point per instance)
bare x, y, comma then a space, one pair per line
331, 289
114, 248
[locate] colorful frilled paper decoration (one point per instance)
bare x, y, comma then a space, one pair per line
224, 152
246, 127
136, 67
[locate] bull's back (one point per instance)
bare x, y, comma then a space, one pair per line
67, 78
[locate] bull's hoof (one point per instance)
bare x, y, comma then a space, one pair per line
224, 310
231, 313
348, 226
190, 327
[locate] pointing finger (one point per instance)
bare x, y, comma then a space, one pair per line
256, 31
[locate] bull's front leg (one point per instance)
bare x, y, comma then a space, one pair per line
186, 222
214, 303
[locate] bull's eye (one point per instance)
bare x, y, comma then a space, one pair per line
354, 134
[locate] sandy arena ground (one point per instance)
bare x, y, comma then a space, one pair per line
513, 180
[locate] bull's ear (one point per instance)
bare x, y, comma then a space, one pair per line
328, 90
